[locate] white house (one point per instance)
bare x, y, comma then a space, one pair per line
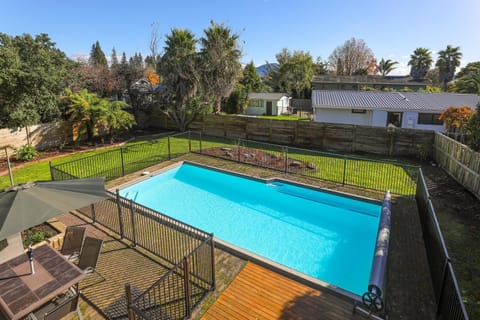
402, 109
267, 103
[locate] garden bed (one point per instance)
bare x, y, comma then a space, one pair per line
261, 159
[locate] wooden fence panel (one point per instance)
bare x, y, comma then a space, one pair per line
317, 135
461, 162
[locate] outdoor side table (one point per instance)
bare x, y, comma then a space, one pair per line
22, 293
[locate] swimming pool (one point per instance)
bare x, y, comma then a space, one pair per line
323, 235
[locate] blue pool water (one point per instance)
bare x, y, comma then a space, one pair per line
326, 236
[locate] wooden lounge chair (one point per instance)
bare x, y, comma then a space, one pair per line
59, 307
89, 256
72, 242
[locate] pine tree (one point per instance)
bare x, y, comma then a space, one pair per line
114, 59
97, 57
250, 79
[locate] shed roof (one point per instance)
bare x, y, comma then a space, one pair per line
402, 101
267, 95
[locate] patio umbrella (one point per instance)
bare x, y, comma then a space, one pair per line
31, 204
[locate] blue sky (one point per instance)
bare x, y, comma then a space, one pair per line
392, 29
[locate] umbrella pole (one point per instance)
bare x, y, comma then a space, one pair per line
30, 253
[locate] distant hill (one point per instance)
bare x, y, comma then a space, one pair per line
263, 69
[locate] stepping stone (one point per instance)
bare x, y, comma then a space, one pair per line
226, 149
296, 164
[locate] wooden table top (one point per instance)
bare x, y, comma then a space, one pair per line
22, 293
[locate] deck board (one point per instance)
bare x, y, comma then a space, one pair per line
259, 293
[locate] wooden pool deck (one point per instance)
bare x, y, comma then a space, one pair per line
259, 293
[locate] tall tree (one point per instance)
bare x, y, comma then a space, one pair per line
114, 59
154, 57
468, 79
220, 56
293, 74
32, 77
250, 79
386, 66
448, 60
320, 67
420, 62
351, 57
178, 69
249, 82
97, 57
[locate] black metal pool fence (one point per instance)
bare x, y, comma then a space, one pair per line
187, 252
347, 170
355, 171
447, 293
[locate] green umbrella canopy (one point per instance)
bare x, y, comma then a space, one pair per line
31, 204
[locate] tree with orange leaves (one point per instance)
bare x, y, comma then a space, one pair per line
456, 119
152, 77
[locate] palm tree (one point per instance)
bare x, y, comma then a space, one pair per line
420, 62
386, 66
86, 110
448, 60
178, 69
220, 56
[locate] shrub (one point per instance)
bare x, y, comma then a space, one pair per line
26, 153
39, 236
474, 127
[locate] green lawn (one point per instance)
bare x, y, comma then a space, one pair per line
368, 173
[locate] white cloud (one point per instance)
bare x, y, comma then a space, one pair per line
402, 68
80, 57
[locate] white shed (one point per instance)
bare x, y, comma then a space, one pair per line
267, 103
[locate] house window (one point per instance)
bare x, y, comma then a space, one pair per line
394, 118
429, 118
257, 103
359, 111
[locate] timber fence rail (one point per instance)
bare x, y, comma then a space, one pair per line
447, 293
461, 162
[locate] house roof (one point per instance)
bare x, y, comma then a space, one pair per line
391, 101
267, 95
368, 79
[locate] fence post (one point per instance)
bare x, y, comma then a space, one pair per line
132, 214
123, 166
212, 252
238, 150
285, 157
120, 213
200, 141
94, 216
188, 288
128, 295
169, 154
344, 170
189, 142
50, 165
